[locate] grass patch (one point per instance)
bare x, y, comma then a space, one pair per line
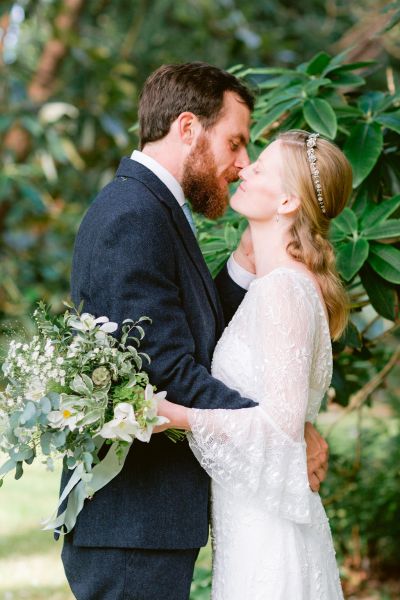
30, 563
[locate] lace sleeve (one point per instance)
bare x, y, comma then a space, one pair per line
261, 450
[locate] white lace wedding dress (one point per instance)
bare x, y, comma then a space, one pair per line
271, 537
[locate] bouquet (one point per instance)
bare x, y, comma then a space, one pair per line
71, 390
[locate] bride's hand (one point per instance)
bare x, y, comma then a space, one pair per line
177, 415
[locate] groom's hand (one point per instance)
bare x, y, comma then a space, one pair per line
244, 253
317, 456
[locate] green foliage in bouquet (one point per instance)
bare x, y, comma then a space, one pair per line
73, 388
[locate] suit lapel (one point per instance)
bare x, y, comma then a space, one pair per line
135, 170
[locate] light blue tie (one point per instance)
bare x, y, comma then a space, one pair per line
188, 214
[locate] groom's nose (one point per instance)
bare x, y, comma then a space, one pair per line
242, 159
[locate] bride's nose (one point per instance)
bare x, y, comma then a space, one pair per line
243, 173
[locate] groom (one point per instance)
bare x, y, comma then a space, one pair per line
136, 254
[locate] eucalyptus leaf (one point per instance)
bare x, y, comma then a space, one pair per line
45, 441
58, 438
24, 452
350, 258
28, 413
19, 471
45, 405
9, 465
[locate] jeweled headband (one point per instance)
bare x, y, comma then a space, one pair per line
312, 159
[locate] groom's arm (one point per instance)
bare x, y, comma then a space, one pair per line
133, 273
236, 275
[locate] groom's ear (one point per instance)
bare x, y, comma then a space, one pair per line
187, 126
289, 205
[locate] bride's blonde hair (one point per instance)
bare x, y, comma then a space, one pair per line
309, 232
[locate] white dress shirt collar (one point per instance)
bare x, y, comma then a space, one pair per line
165, 176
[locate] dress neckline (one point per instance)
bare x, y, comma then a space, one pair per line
303, 276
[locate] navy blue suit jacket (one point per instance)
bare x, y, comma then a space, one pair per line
135, 254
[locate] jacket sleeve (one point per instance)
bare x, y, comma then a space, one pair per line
141, 281
230, 293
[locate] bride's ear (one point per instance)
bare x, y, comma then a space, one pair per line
289, 205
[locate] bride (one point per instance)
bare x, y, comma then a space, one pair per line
271, 538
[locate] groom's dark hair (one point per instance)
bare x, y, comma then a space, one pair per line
196, 87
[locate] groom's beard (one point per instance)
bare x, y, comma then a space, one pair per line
201, 184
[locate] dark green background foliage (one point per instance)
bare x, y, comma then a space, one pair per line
71, 72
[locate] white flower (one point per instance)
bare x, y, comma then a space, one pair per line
87, 322
60, 360
65, 417
35, 390
150, 413
124, 425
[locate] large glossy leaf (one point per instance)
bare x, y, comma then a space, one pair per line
385, 260
371, 102
390, 120
351, 337
318, 63
271, 117
382, 295
380, 212
320, 116
333, 66
363, 148
344, 225
388, 229
350, 257
313, 86
344, 79
347, 112
283, 95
